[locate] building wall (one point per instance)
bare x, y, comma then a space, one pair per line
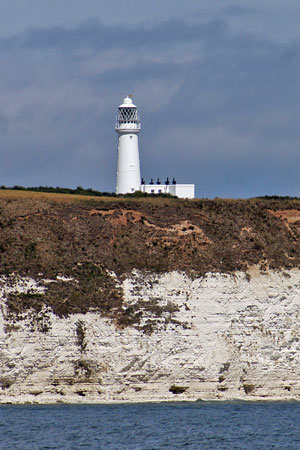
180, 190
183, 190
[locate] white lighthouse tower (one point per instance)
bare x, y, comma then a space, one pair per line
128, 126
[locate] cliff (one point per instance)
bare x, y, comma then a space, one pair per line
148, 299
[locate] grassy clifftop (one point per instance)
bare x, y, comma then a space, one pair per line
86, 238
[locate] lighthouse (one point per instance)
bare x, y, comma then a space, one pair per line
128, 127
128, 172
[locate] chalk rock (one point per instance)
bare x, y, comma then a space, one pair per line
219, 337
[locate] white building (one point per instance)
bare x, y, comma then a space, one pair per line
180, 190
128, 172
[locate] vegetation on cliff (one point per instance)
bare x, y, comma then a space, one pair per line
90, 239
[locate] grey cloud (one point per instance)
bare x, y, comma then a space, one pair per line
95, 35
239, 10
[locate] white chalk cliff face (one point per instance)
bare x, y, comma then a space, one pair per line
220, 337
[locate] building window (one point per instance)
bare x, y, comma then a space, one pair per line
159, 191
152, 191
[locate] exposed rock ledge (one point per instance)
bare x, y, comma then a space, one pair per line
225, 337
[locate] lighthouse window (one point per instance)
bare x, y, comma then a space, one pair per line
130, 137
128, 115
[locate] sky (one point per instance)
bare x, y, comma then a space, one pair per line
216, 84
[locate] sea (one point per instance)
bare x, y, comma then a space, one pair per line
151, 426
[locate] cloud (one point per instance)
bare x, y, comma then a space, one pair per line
238, 10
218, 108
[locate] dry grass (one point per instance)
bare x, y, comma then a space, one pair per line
16, 195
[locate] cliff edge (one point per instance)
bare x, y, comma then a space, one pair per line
109, 299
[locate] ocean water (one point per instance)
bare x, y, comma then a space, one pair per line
199, 425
